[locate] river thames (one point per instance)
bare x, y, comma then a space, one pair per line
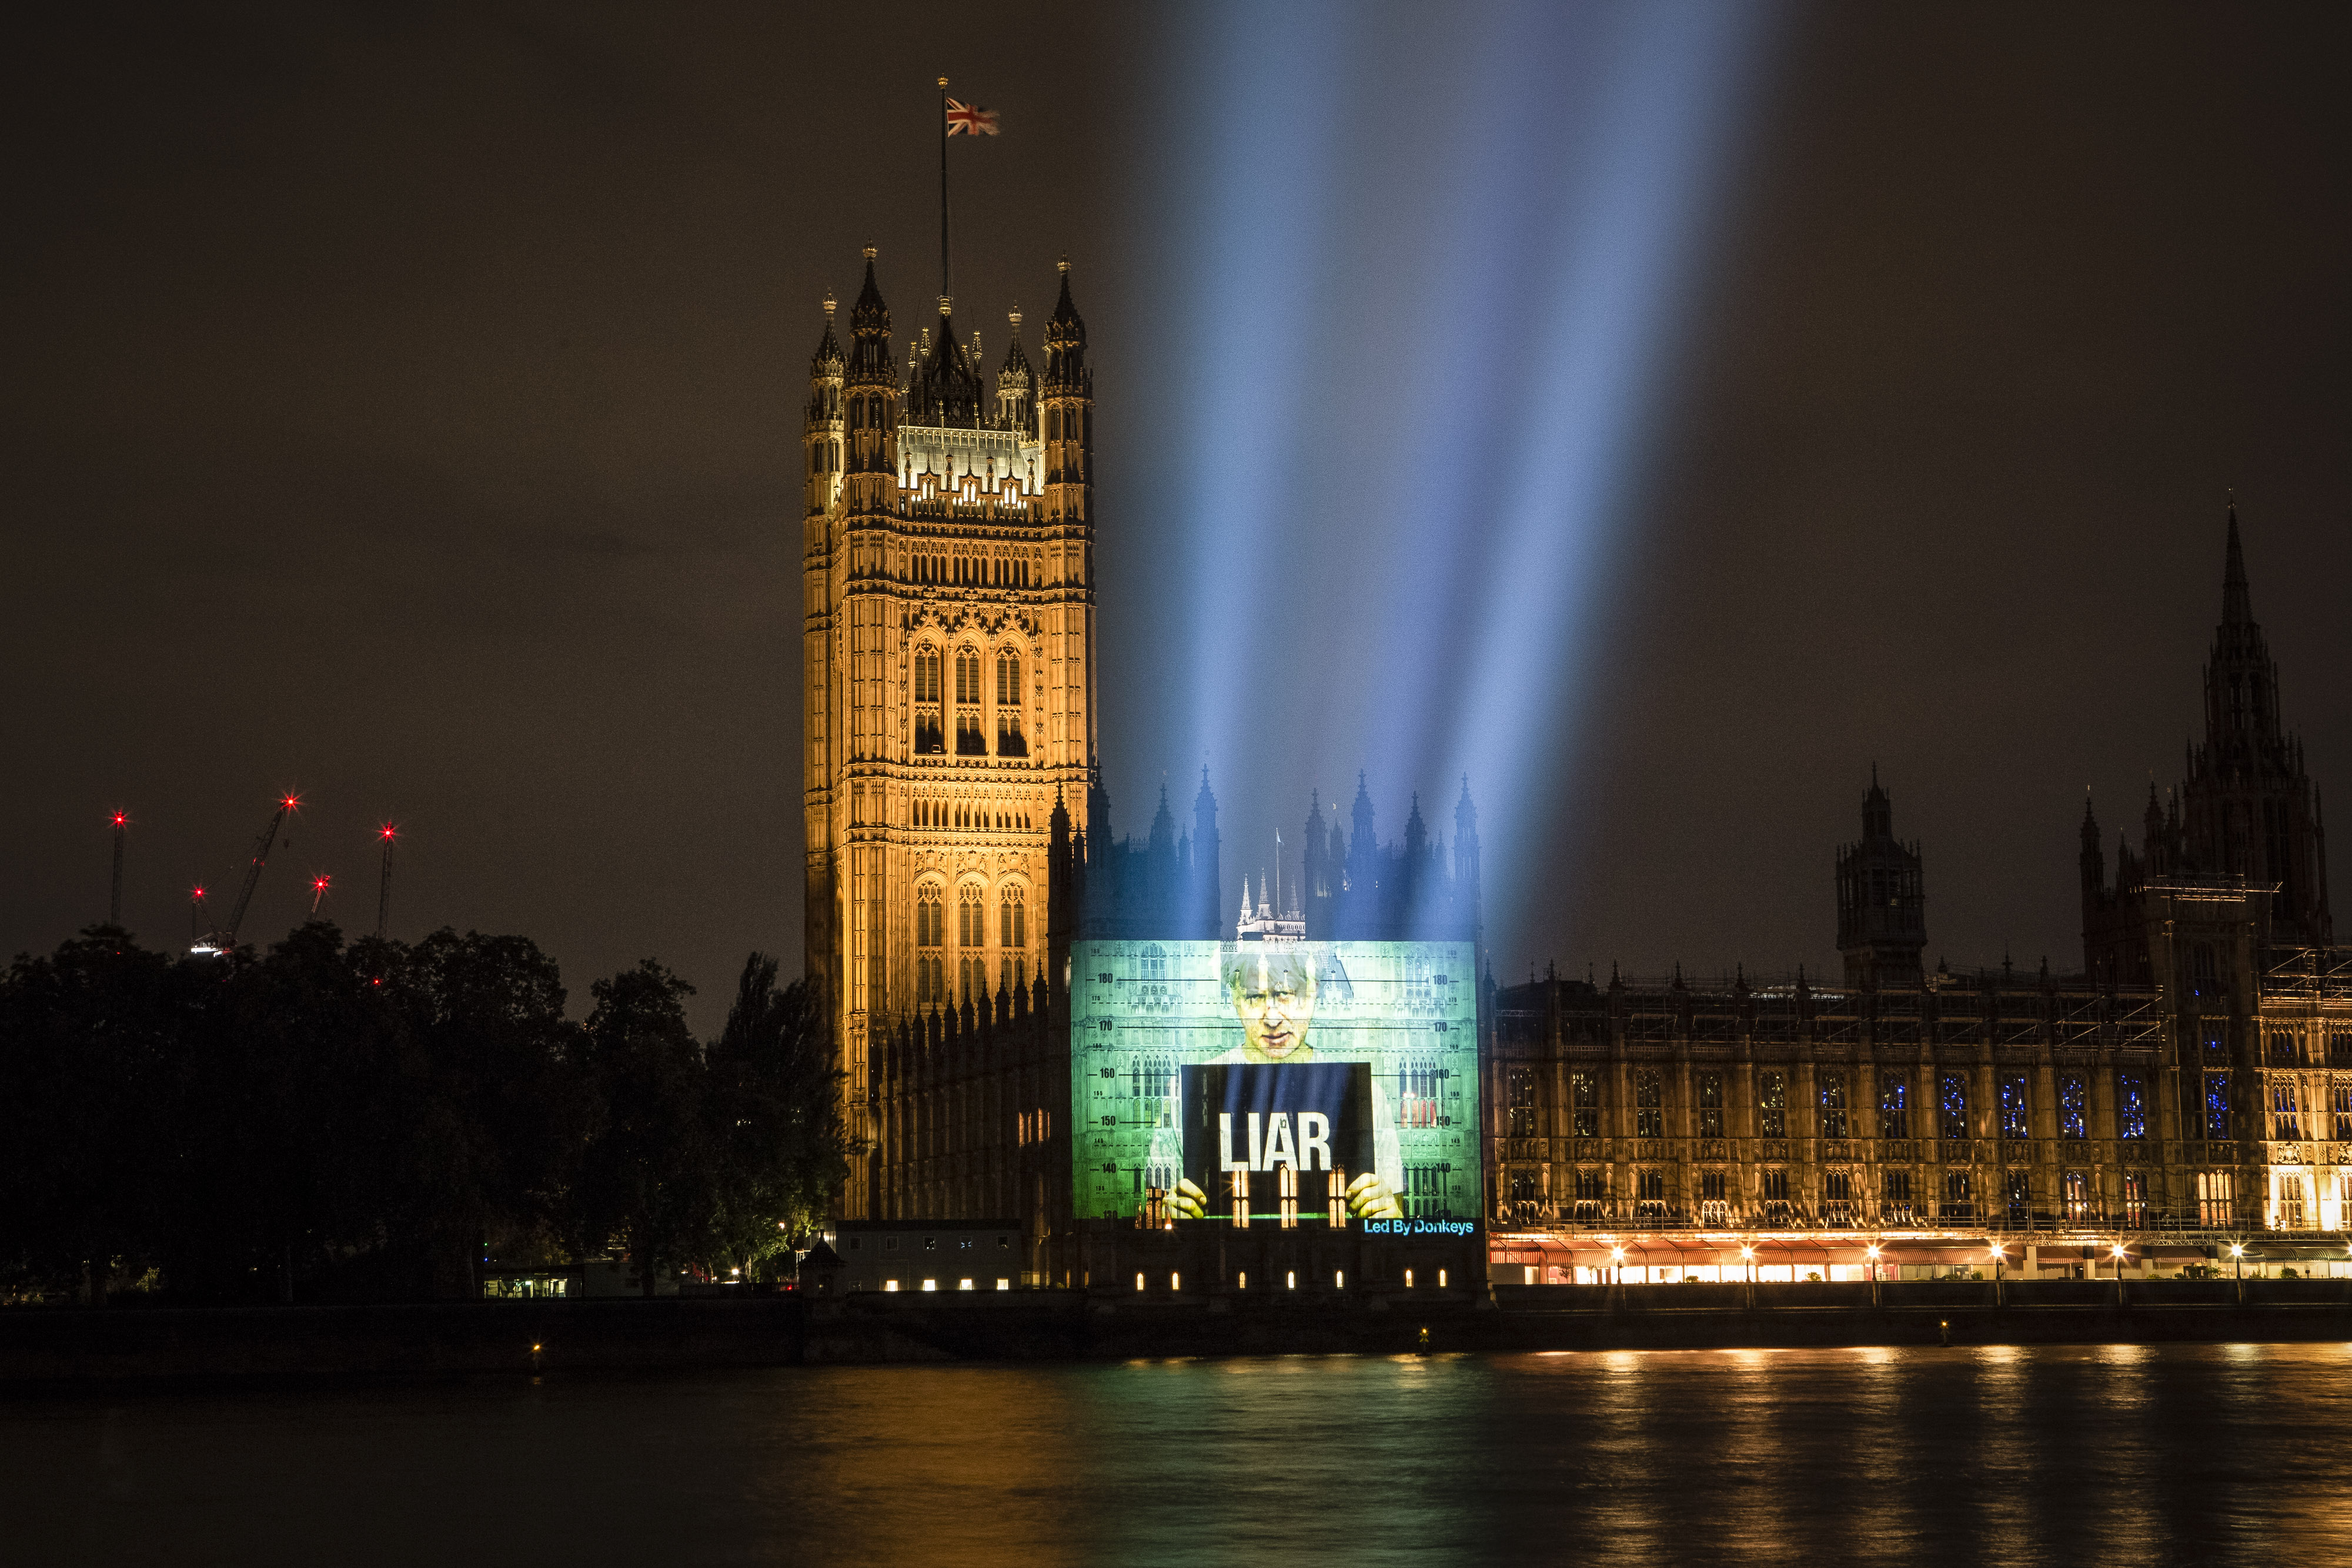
2123, 1455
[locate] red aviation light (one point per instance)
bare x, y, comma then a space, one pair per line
121, 818
387, 832
319, 884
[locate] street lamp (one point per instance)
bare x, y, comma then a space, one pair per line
1872, 1253
1617, 1255
2237, 1252
2000, 1256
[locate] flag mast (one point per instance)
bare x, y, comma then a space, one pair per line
946, 293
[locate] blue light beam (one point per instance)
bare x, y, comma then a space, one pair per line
1424, 267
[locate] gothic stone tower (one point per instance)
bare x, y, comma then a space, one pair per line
2247, 804
1882, 900
2246, 817
949, 647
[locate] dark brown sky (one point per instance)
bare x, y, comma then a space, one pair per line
405, 409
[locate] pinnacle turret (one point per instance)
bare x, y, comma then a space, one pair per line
1066, 346
869, 332
828, 359
946, 389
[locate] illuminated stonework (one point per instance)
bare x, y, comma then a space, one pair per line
948, 654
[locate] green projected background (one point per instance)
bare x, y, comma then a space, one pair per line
1141, 1011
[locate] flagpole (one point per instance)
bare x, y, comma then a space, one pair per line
945, 292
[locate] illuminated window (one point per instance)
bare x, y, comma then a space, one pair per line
2131, 1107
1952, 1103
1519, 1096
1832, 1086
1711, 1105
2341, 1099
2217, 1199
2136, 1202
1773, 1106
2073, 1106
1649, 1098
2282, 1048
2292, 1215
1584, 1103
1895, 1109
1774, 1190
2075, 1193
2287, 1114
2014, 1120
2217, 1104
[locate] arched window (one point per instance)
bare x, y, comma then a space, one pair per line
1832, 1089
1013, 919
970, 741
1010, 740
1649, 1104
971, 931
931, 738
930, 988
1895, 1110
1952, 1107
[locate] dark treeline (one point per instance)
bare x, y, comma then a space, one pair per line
333, 1122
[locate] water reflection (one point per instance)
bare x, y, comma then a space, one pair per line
2123, 1455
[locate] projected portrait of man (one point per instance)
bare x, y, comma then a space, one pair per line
1273, 988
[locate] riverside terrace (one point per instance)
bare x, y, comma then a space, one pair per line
1783, 1128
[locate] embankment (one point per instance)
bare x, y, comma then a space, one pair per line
56, 1347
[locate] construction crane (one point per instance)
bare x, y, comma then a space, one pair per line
114, 905
388, 833
225, 939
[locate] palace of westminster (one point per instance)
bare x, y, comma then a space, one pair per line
2193, 1078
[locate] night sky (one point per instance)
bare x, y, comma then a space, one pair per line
404, 409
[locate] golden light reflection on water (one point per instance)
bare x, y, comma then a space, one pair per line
2095, 1455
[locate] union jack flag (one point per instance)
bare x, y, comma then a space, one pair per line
969, 119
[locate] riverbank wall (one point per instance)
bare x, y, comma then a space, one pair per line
63, 1346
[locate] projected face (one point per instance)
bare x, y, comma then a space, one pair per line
1275, 997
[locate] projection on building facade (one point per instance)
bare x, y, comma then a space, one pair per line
1275, 1084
